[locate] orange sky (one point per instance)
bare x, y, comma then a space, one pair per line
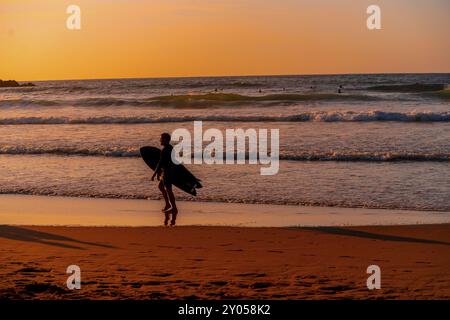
159, 38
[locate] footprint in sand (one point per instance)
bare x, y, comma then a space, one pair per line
192, 284
157, 295
152, 283
335, 289
304, 284
43, 287
251, 274
218, 283
32, 270
260, 285
191, 297
197, 259
162, 274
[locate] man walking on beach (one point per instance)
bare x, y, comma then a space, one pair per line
164, 171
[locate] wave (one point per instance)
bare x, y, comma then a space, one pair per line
78, 193
219, 84
207, 100
70, 151
442, 94
317, 116
241, 84
28, 103
85, 102
133, 152
416, 87
369, 157
189, 100
233, 98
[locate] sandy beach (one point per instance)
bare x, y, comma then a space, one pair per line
222, 262
240, 252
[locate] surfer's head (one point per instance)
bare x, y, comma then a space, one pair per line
165, 139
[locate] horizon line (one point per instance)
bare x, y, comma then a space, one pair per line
235, 76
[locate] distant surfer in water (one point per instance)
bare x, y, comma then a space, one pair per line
164, 171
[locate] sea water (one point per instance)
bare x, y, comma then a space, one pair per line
376, 141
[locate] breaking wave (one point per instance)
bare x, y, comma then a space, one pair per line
318, 116
442, 94
133, 152
232, 98
416, 87
189, 100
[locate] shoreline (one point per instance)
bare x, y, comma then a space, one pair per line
101, 212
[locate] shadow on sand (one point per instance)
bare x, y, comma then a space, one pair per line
369, 235
23, 234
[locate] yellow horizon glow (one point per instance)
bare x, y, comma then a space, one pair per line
182, 38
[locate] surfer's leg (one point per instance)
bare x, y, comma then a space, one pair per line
173, 203
174, 216
164, 193
171, 197
166, 218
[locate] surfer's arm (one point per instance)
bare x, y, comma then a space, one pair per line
163, 161
158, 167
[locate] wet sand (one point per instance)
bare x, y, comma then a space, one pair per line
201, 262
88, 212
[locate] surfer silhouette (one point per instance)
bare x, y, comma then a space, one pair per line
164, 171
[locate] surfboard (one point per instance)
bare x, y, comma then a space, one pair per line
182, 177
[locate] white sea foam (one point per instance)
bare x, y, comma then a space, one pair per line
318, 116
123, 152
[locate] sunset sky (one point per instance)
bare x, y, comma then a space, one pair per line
166, 38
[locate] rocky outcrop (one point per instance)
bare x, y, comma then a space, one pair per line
14, 83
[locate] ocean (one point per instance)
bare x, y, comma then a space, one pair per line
383, 141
